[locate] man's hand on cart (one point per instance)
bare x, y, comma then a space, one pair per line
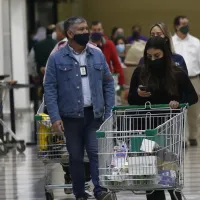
142, 91
174, 104
58, 126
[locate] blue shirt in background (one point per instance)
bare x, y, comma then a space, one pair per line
130, 39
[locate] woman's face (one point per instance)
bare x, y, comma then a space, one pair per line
119, 33
120, 46
154, 54
156, 31
120, 41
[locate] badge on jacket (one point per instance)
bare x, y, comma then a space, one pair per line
83, 70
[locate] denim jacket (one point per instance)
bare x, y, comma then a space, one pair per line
62, 78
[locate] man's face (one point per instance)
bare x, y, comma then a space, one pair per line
136, 32
183, 22
78, 29
97, 28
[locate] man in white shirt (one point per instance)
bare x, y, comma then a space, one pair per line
189, 47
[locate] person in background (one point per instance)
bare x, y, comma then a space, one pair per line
120, 44
189, 47
31, 39
117, 32
161, 30
60, 36
164, 83
40, 32
114, 29
86, 106
39, 54
108, 48
59, 33
136, 35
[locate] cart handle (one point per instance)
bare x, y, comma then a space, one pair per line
146, 106
149, 133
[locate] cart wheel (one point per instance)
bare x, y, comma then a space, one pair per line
21, 147
3, 149
49, 196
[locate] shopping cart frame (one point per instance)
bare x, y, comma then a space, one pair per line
102, 134
53, 153
20, 144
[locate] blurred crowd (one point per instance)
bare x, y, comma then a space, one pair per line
120, 51
115, 47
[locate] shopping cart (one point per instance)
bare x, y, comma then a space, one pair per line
52, 149
141, 148
5, 131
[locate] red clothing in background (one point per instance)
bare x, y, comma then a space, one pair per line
112, 59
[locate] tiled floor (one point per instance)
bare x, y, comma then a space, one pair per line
22, 175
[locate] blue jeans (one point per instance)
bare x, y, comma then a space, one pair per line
80, 134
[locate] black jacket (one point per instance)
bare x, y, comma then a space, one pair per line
186, 91
42, 51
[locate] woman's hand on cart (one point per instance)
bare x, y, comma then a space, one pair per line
142, 91
58, 126
174, 104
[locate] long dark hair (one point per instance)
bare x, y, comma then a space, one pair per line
166, 79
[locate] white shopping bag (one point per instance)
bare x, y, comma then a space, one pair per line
148, 146
142, 165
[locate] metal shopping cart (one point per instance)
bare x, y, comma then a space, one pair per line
52, 149
141, 149
5, 131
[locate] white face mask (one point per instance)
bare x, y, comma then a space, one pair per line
120, 48
54, 36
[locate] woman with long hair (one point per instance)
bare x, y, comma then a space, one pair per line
159, 81
161, 30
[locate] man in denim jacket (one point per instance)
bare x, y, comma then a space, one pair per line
79, 94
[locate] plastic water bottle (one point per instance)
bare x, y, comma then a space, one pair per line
113, 161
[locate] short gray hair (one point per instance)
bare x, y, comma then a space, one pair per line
60, 25
71, 21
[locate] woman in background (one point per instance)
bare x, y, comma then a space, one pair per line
120, 44
161, 30
116, 32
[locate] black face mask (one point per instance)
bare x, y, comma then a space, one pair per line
135, 34
82, 39
184, 29
96, 36
157, 66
